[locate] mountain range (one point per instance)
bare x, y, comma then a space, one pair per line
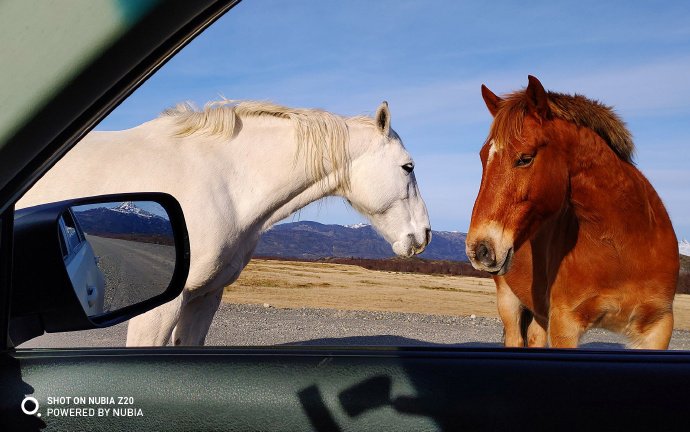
125, 219
313, 240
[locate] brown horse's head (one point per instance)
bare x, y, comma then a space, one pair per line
524, 177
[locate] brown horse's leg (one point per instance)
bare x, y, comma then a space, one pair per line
510, 310
656, 335
536, 335
565, 329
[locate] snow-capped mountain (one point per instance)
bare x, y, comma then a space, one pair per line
357, 225
131, 208
684, 247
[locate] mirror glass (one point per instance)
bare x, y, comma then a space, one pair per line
117, 254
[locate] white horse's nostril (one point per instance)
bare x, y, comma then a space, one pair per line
417, 247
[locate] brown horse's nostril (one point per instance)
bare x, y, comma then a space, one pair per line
484, 253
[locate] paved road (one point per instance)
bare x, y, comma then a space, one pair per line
133, 271
247, 325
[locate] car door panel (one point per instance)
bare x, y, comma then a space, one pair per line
294, 388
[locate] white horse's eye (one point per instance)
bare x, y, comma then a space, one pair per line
408, 167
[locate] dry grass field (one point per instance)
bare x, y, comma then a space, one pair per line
288, 284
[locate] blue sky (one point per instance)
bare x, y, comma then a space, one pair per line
428, 60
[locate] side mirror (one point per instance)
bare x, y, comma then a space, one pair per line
95, 262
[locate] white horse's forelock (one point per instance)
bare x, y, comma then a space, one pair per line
321, 135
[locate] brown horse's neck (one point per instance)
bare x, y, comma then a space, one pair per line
552, 242
609, 195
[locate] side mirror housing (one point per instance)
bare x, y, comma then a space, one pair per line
95, 262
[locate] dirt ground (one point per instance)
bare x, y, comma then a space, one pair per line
288, 284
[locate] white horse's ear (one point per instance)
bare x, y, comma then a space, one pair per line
383, 118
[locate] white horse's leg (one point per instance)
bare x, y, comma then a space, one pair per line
196, 317
154, 327
198, 309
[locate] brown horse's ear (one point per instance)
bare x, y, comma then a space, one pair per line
491, 100
383, 118
537, 98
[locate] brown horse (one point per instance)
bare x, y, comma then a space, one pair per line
574, 234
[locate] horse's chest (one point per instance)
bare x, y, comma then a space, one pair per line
529, 280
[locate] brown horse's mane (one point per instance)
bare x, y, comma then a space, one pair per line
575, 109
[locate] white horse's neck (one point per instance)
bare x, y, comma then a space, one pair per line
309, 195
280, 184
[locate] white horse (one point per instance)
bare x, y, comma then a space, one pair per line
236, 169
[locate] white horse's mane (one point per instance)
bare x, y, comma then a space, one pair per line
321, 135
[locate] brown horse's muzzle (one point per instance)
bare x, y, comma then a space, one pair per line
485, 254
483, 257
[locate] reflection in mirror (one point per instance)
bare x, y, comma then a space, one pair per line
117, 254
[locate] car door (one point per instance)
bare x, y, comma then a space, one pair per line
82, 265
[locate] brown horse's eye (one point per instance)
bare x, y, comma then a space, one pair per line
524, 160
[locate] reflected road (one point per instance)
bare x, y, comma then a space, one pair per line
134, 271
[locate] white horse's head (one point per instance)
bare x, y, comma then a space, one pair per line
384, 189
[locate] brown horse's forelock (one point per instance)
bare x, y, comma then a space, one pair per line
577, 109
